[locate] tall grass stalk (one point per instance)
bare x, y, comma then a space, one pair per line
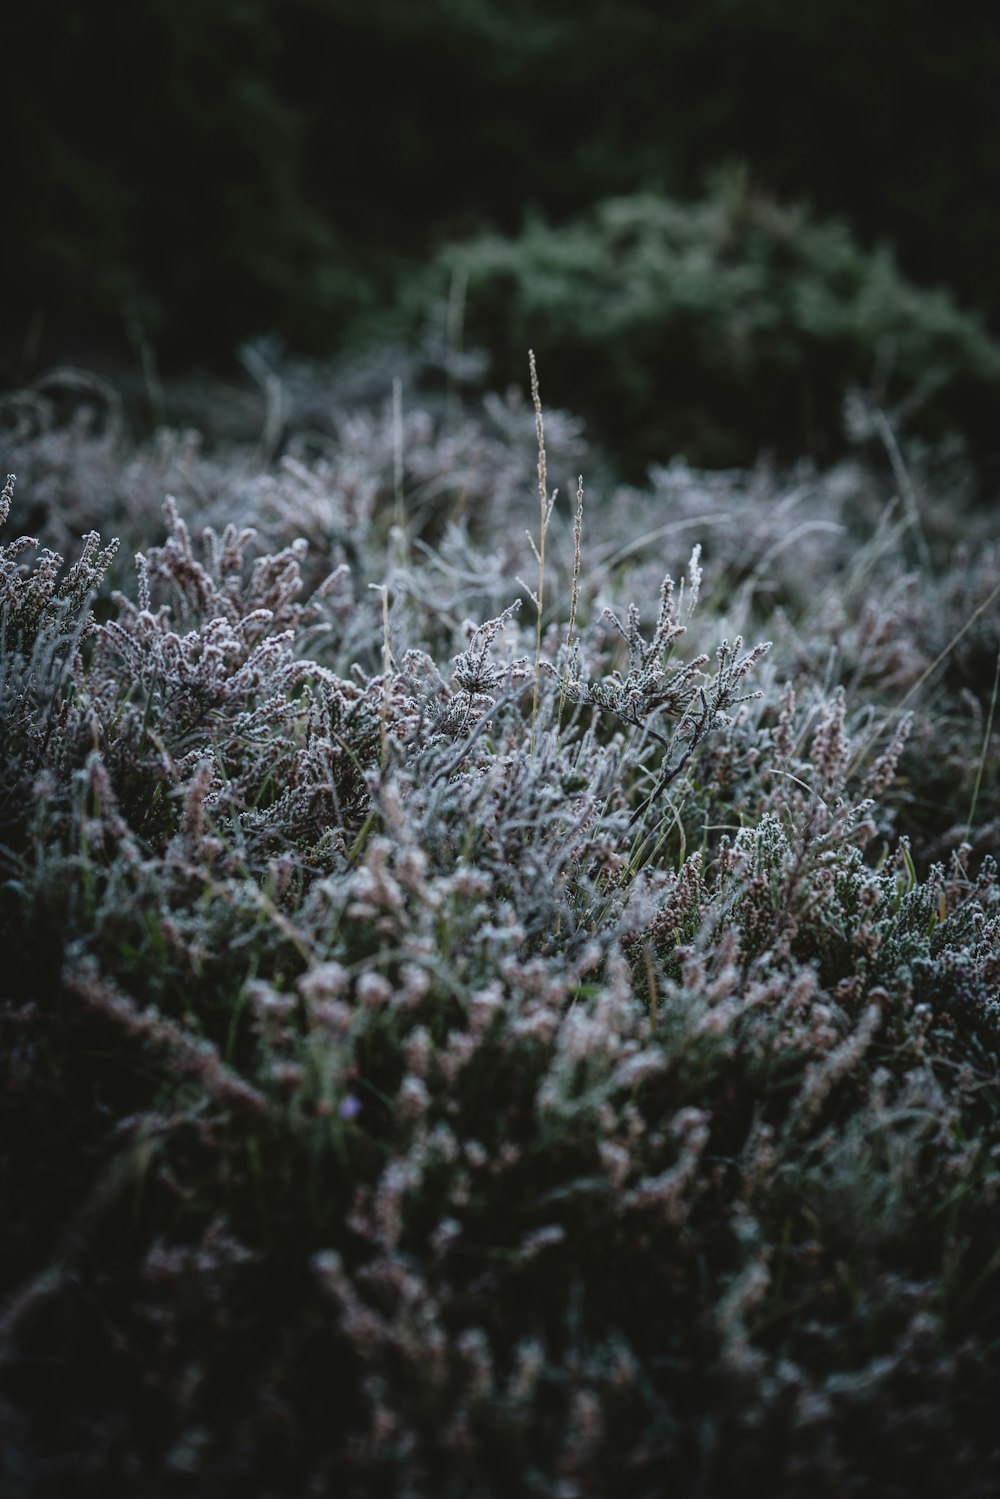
388, 666
907, 492
577, 540
545, 504
398, 472
987, 735
575, 590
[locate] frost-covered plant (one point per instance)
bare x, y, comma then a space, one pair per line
424, 1073
654, 687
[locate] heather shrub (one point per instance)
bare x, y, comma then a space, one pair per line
721, 326
476, 1017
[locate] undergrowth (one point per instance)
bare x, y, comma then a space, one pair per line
465, 1037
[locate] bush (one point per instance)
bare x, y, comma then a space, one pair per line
719, 328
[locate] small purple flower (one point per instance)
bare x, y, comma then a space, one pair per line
350, 1107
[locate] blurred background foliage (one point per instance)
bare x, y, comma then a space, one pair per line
755, 319
185, 174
